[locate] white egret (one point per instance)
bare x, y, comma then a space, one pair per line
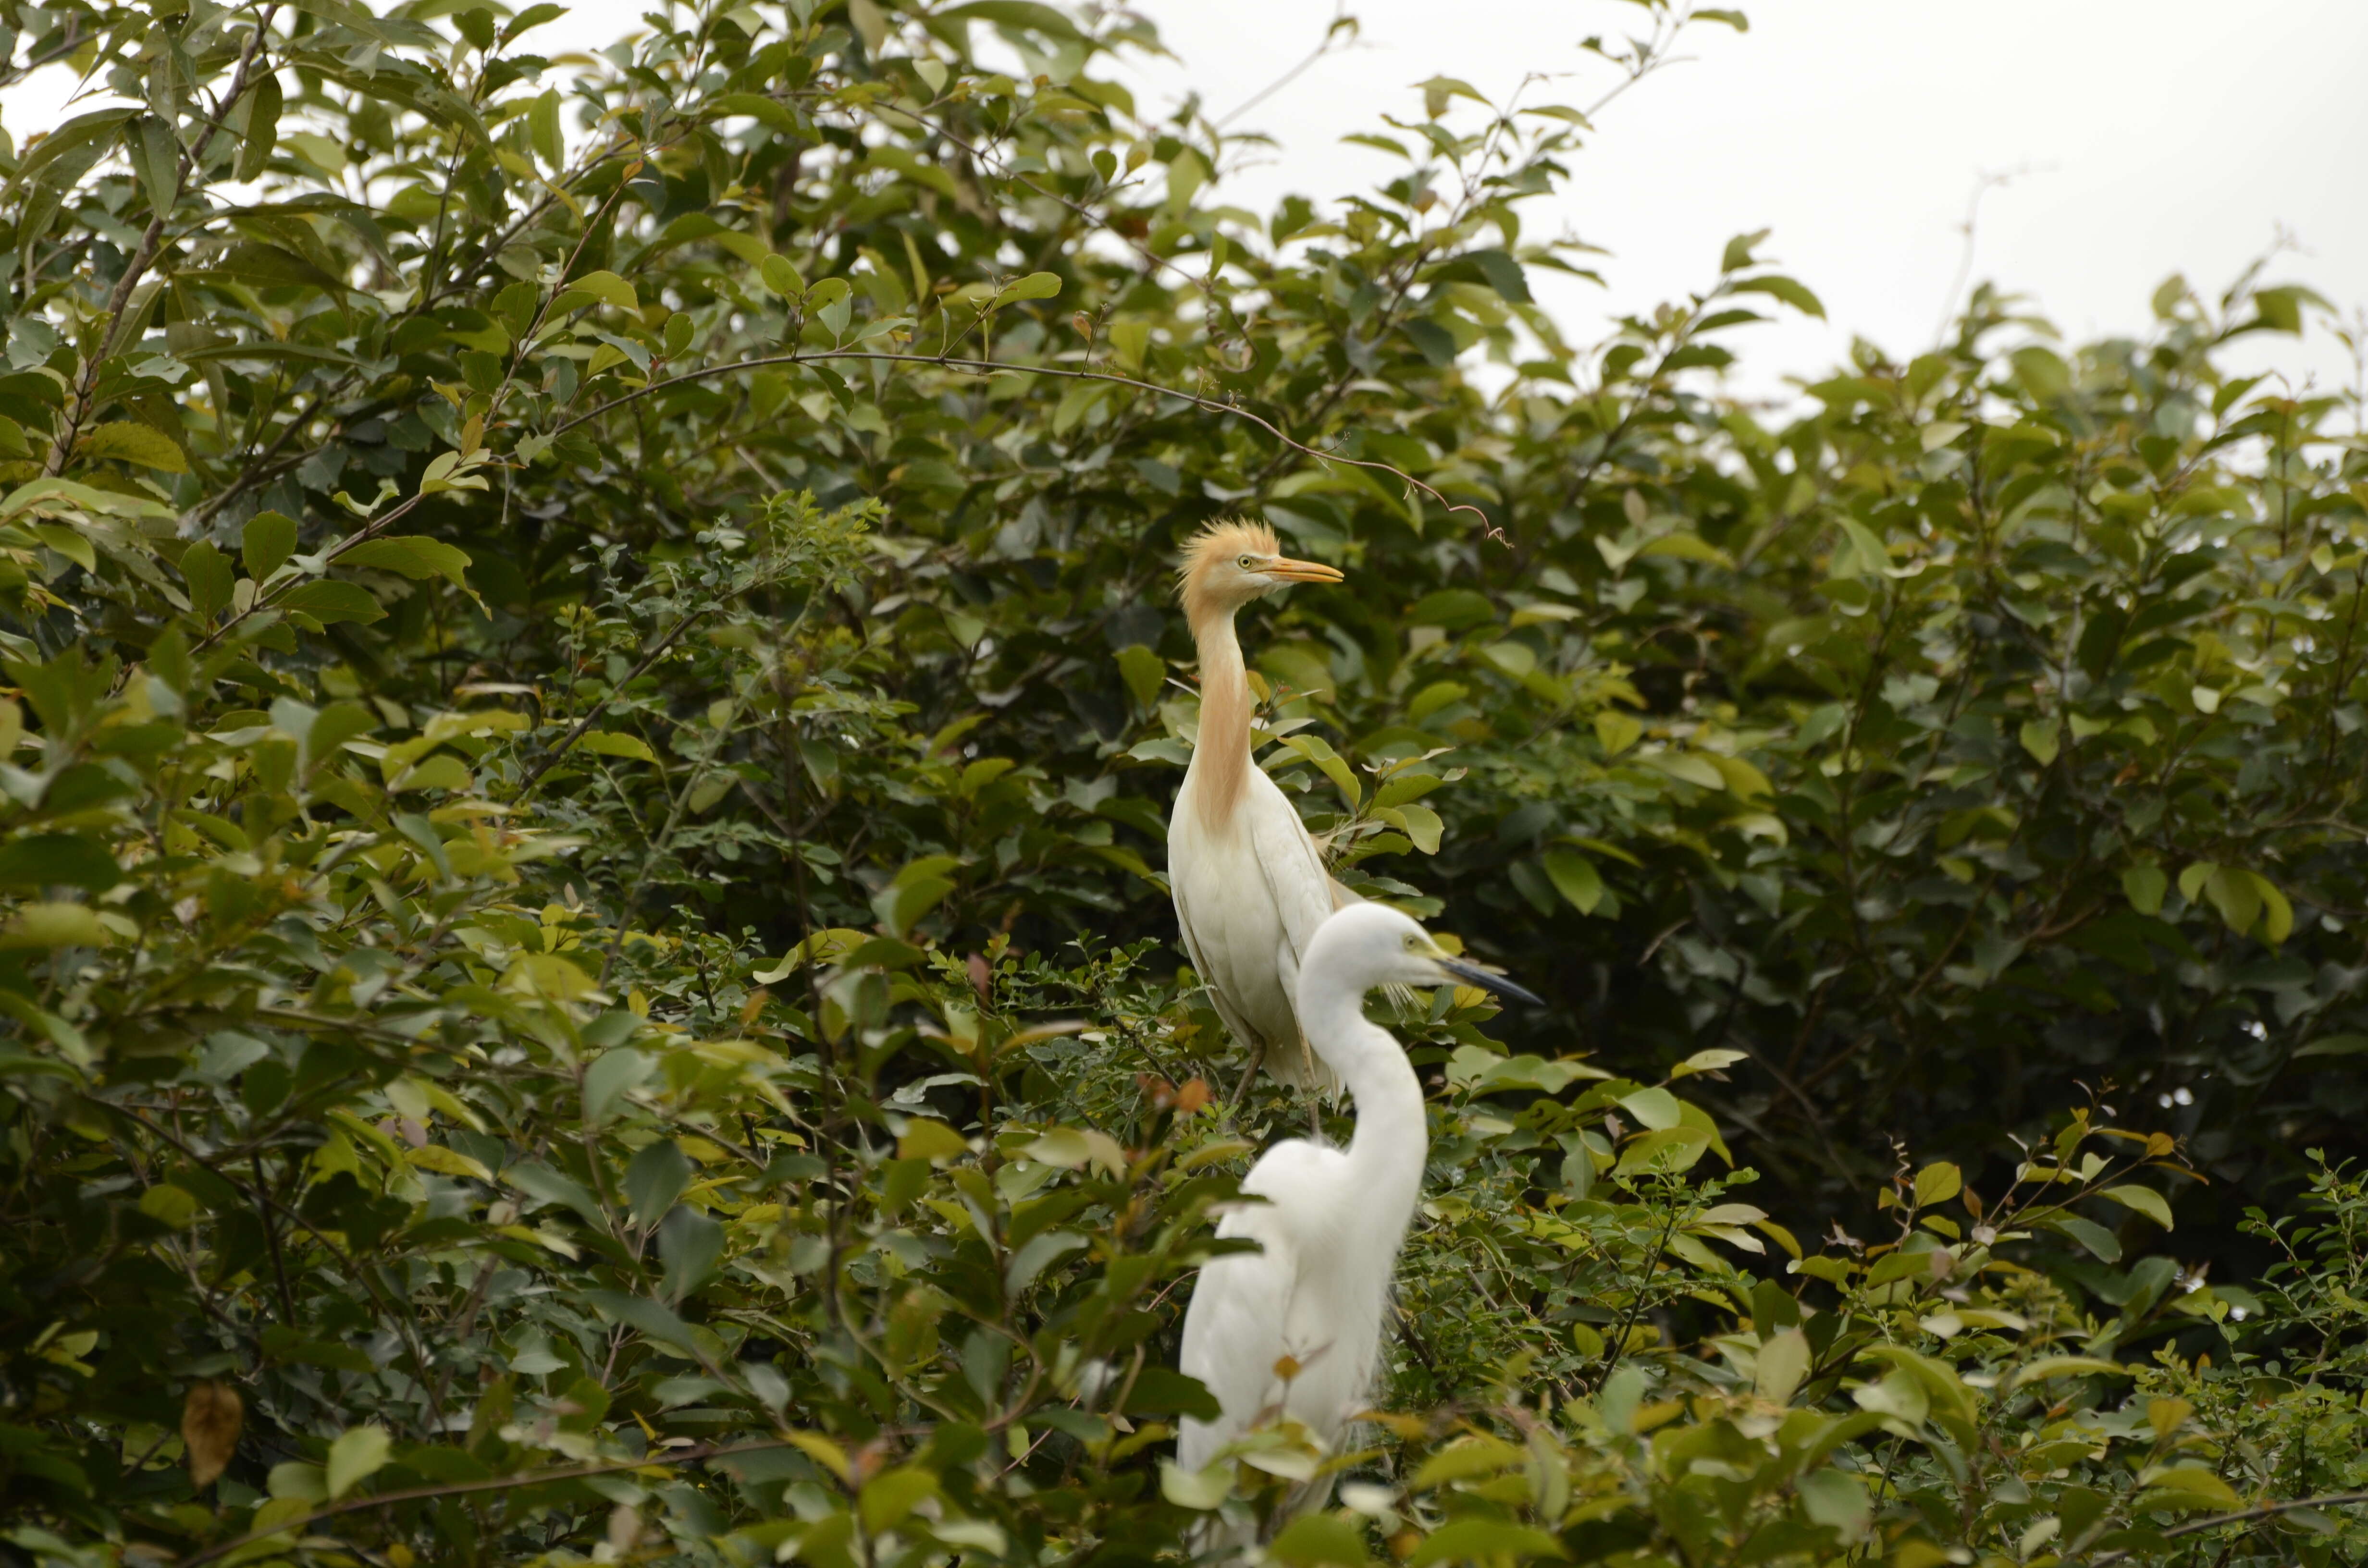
1249, 885
1294, 1330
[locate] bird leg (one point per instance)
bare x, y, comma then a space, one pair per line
1242, 1089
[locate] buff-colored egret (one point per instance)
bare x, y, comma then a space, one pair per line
1249, 884
1294, 1330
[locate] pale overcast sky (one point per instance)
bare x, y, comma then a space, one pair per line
2154, 136
2159, 136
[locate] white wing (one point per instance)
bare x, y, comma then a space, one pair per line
1295, 877
1236, 1025
1305, 896
1234, 1332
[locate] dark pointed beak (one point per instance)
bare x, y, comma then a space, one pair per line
1291, 571
1486, 979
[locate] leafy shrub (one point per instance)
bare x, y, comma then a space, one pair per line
593, 700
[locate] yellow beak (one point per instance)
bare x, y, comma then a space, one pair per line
1291, 571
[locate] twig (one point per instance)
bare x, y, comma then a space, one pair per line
1341, 22
2267, 1510
499, 1484
988, 367
534, 775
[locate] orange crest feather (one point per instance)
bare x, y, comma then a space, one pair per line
1221, 541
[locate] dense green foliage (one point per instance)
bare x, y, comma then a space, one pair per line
592, 704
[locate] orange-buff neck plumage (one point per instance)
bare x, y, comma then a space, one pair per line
1220, 756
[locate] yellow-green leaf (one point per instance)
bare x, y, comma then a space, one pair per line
2145, 1199
1937, 1184
1035, 286
127, 442
358, 1454
608, 288
2042, 738
608, 742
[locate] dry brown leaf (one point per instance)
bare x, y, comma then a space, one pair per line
210, 1419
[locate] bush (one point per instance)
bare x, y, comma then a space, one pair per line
594, 699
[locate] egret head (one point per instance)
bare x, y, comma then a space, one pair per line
1372, 946
1228, 564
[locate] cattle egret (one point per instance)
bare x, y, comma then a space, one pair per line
1250, 888
1294, 1330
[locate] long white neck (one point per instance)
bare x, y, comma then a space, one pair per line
1221, 755
1386, 1152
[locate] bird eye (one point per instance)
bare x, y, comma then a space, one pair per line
1413, 941
1248, 562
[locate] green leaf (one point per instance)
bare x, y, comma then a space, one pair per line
924, 1138
169, 1205
610, 1078
1483, 1540
58, 859
2065, 1367
2145, 885
691, 1243
260, 132
1035, 286
543, 127
358, 1453
608, 288
1657, 1108
1420, 823
1159, 1391
1574, 877
1144, 673
902, 904
1784, 1359
207, 571
1320, 1539
411, 555
268, 541
53, 925
1790, 290
2088, 1233
2280, 308
608, 743
1037, 1256
781, 278
2042, 738
329, 603
2236, 894
656, 1178
126, 442
1199, 1490
531, 18
887, 1497
1860, 553
2277, 913
2041, 373
1737, 255
1938, 1183
156, 158
2192, 1485
2145, 1199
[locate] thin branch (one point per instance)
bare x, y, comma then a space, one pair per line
79, 408
499, 1484
989, 366
534, 775
1341, 22
2267, 1510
